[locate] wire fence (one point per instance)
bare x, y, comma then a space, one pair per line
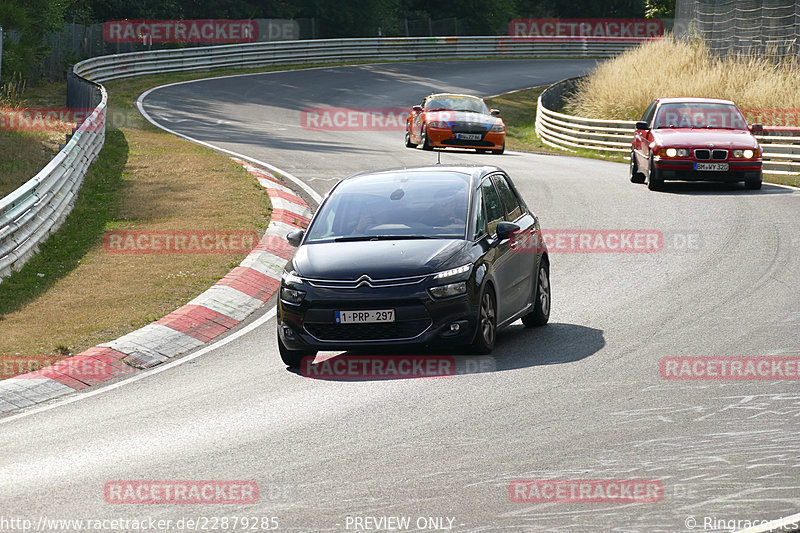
770, 27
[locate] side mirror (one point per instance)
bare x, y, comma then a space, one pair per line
417, 109
505, 229
757, 128
295, 237
642, 125
495, 112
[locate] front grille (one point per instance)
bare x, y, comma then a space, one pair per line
720, 155
702, 154
407, 329
466, 127
364, 281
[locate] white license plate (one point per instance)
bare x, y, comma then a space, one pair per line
364, 317
468, 136
711, 166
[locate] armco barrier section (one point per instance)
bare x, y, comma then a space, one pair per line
37, 208
781, 146
337, 50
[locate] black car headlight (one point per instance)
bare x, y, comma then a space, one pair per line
449, 290
292, 296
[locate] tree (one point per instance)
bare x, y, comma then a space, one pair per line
659, 8
25, 25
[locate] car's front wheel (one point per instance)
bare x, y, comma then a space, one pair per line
654, 179
501, 150
426, 145
409, 144
754, 183
487, 323
636, 176
292, 358
541, 305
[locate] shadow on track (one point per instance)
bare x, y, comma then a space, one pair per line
711, 188
516, 347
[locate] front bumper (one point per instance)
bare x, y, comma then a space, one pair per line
491, 140
420, 320
684, 170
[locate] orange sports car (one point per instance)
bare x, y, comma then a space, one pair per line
457, 121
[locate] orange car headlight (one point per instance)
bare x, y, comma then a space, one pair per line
438, 124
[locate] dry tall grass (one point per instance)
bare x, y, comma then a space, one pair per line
621, 88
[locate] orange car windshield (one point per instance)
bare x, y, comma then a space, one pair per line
700, 115
457, 103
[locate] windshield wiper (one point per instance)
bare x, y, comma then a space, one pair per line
355, 238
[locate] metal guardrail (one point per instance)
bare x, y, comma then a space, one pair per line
37, 208
781, 146
337, 50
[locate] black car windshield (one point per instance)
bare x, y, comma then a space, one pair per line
457, 103
700, 115
396, 205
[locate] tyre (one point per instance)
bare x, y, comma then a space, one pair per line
487, 323
541, 305
754, 183
654, 180
501, 150
292, 358
425, 144
409, 144
636, 176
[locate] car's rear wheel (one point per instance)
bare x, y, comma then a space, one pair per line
487, 323
654, 180
501, 150
293, 358
636, 176
426, 145
754, 183
409, 144
541, 305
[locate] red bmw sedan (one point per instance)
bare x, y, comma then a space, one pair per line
695, 139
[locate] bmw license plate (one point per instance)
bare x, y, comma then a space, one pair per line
711, 166
364, 317
468, 136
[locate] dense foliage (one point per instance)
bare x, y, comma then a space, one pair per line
30, 20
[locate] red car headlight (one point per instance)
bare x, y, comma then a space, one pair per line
438, 124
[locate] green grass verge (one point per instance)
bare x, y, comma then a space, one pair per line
94, 208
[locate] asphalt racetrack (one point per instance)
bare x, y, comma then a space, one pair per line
580, 399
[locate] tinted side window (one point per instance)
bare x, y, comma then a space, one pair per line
513, 211
495, 212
